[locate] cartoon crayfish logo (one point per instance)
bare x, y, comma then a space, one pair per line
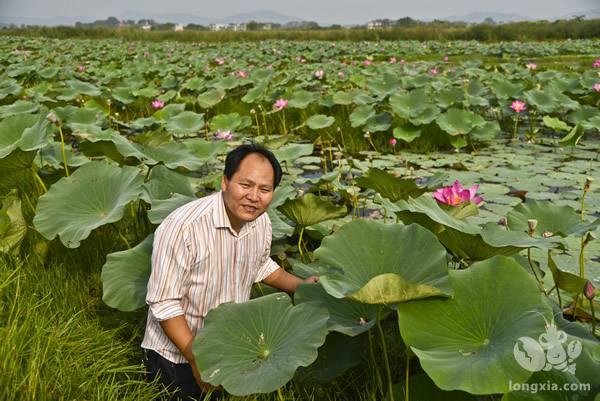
548, 352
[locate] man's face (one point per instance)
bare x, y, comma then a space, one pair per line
250, 190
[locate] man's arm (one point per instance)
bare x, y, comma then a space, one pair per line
285, 281
178, 331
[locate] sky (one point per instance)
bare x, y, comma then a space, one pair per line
338, 11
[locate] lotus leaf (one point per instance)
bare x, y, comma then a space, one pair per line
125, 277
13, 226
310, 209
163, 183
18, 107
256, 346
27, 132
210, 98
291, 152
94, 195
345, 315
301, 99
161, 208
186, 122
459, 122
411, 265
573, 137
205, 150
409, 104
407, 132
470, 346
229, 122
319, 121
389, 186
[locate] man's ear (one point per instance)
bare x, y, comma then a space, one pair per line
224, 183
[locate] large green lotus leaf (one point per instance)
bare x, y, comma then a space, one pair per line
83, 88
194, 84
565, 280
486, 132
293, 151
345, 315
584, 113
379, 122
123, 95
555, 123
226, 122
319, 121
301, 99
9, 87
280, 229
389, 186
52, 156
26, 132
148, 92
13, 226
573, 137
173, 155
255, 94
210, 98
459, 122
225, 83
186, 122
281, 194
94, 195
125, 276
162, 207
407, 132
558, 220
14, 168
18, 107
336, 356
542, 100
449, 96
361, 115
343, 98
406, 105
505, 89
467, 342
310, 209
205, 150
169, 111
256, 346
425, 210
379, 263
492, 241
427, 115
164, 183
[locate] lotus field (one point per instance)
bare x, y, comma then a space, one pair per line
443, 191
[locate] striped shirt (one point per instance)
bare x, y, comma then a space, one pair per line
200, 262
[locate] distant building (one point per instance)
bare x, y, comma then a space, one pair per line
379, 24
217, 27
146, 27
237, 27
178, 27
267, 27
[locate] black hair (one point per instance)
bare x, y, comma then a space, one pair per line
235, 157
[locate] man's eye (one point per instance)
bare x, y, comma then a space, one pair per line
245, 185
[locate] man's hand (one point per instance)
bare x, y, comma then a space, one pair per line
285, 281
205, 387
311, 280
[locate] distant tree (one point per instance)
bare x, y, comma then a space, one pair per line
112, 21
196, 27
489, 21
407, 22
253, 26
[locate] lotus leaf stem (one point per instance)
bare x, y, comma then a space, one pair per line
374, 363
280, 395
385, 355
539, 281
124, 239
39, 181
593, 317
283, 122
406, 394
62, 149
300, 243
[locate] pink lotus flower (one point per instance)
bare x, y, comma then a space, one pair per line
319, 74
455, 195
596, 87
220, 61
434, 71
589, 291
367, 63
393, 141
393, 60
402, 61
596, 63
531, 66
157, 104
242, 74
518, 106
224, 135
280, 104
81, 68
445, 58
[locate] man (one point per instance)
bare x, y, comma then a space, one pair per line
208, 252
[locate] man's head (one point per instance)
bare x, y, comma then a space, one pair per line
251, 175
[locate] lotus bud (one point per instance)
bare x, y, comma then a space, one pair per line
349, 176
547, 234
588, 290
362, 321
532, 224
53, 118
502, 222
589, 236
108, 102
588, 184
338, 129
252, 111
338, 155
282, 255
299, 191
117, 114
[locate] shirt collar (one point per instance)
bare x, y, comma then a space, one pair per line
221, 220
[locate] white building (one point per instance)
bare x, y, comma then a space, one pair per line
238, 27
146, 27
178, 27
375, 25
217, 27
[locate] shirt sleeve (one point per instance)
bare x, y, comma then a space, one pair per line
171, 261
267, 265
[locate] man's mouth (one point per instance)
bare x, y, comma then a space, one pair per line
250, 209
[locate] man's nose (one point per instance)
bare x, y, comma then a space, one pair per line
253, 194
